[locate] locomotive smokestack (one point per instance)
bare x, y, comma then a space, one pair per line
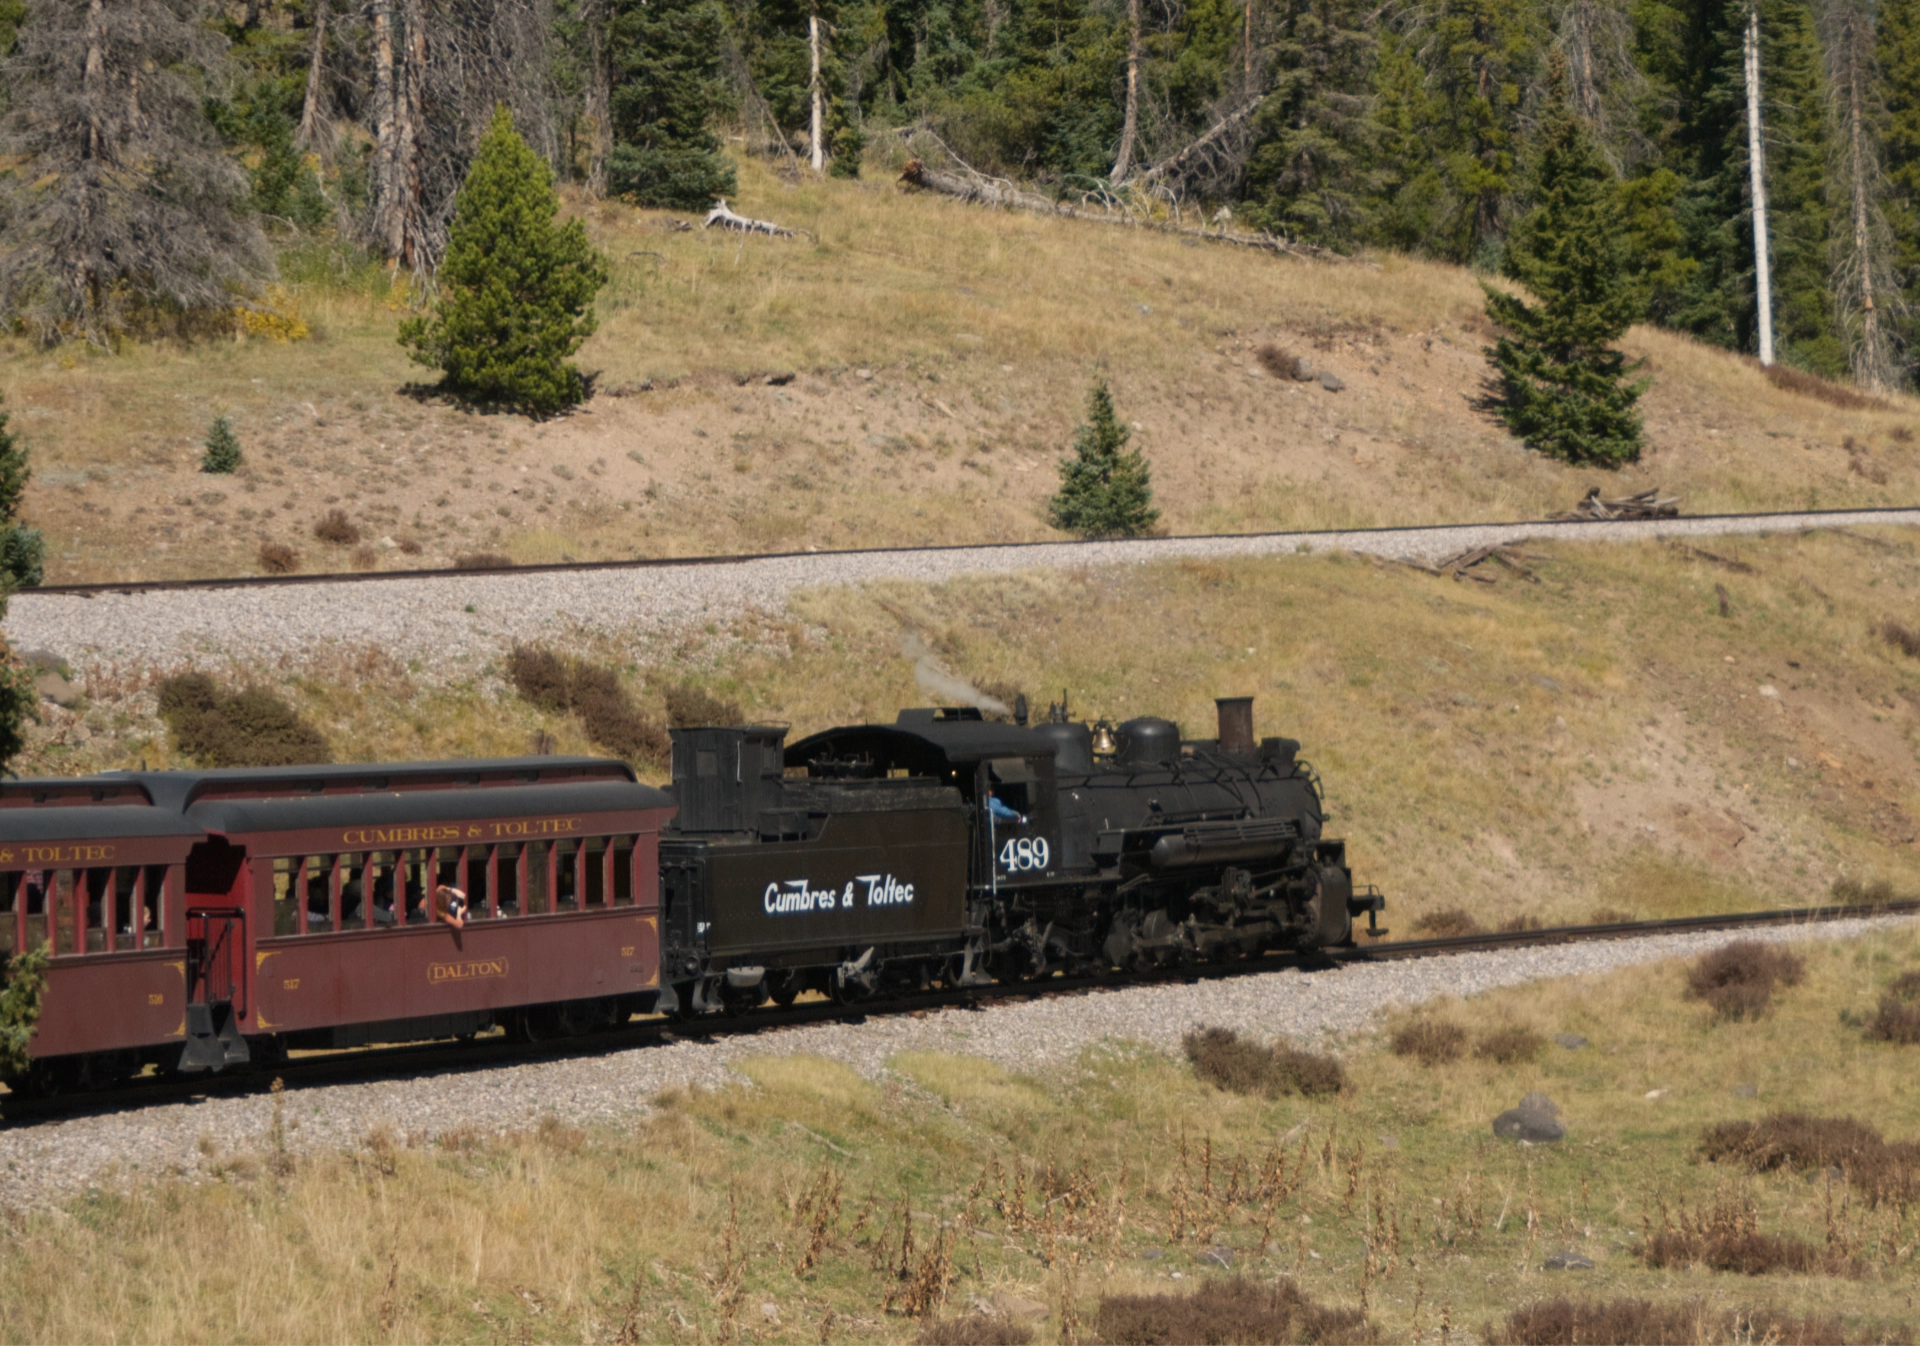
1236, 724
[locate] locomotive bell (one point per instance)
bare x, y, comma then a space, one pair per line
1103, 740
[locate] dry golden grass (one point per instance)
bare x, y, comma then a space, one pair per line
1603, 739
979, 333
1109, 1179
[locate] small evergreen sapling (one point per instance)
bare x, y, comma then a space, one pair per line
223, 448
516, 289
23, 552
1564, 389
1105, 490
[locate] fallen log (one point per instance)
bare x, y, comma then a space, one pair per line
726, 219
1177, 160
982, 190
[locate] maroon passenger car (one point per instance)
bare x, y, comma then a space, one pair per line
294, 907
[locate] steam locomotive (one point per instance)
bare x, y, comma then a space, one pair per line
201, 920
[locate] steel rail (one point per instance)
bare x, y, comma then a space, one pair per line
424, 1059
1570, 527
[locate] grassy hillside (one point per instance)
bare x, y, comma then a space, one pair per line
941, 356
815, 1205
1602, 738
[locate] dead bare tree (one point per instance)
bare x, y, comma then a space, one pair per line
1604, 81
123, 205
439, 72
599, 96
1863, 283
311, 113
1130, 120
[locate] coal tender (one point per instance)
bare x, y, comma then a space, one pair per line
946, 849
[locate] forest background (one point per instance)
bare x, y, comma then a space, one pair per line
1338, 123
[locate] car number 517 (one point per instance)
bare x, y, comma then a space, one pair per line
1025, 853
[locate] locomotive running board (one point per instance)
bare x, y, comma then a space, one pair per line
213, 1042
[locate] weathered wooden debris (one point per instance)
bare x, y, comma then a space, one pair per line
726, 219
1646, 505
1460, 566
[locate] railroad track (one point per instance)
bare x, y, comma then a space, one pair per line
359, 1066
1568, 528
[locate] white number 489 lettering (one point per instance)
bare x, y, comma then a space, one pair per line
1025, 853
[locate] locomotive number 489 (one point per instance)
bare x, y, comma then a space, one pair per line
1025, 853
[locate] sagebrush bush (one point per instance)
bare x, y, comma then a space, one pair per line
1237, 1312
250, 727
1447, 923
1738, 979
1239, 1065
1884, 1171
975, 1329
1902, 637
336, 529
1726, 1237
1898, 1017
567, 685
1431, 1042
277, 558
1853, 893
483, 560
690, 707
1570, 1322
1509, 1046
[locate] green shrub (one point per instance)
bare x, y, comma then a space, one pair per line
1105, 491
690, 707
516, 290
23, 980
1898, 1017
251, 727
23, 552
223, 449
669, 179
1509, 1046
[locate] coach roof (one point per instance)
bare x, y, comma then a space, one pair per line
180, 790
296, 813
83, 823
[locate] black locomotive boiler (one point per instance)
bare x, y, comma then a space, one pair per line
947, 849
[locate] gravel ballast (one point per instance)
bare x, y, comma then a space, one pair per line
453, 625
41, 1164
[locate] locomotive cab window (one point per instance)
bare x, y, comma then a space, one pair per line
1012, 781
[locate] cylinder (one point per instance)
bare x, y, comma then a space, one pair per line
1236, 724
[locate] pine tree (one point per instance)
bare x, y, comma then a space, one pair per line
223, 449
1564, 388
1799, 216
1307, 175
516, 291
1897, 46
23, 552
666, 87
1105, 490
120, 208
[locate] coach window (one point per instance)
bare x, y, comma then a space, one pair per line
13, 912
593, 873
135, 921
568, 881
98, 888
510, 871
286, 894
620, 856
